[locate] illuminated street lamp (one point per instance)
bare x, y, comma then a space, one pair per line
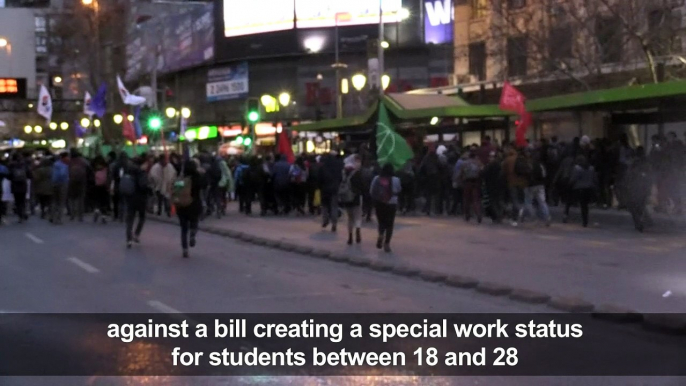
284, 99
170, 112
130, 118
4, 43
434, 121
96, 123
85, 122
38, 129
28, 129
359, 80
57, 79
118, 119
185, 112
403, 14
87, 2
345, 86
64, 125
385, 81
53, 125
385, 45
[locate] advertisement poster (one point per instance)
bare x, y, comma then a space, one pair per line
438, 21
171, 42
323, 13
227, 82
245, 17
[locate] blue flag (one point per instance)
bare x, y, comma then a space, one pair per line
79, 130
137, 122
99, 102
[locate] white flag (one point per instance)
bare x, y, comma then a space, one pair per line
87, 105
45, 103
126, 96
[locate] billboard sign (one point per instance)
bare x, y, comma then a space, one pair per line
227, 82
171, 41
12, 88
439, 16
246, 17
323, 13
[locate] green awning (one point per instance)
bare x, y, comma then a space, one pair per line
596, 98
338, 124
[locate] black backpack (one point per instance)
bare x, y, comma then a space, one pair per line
522, 168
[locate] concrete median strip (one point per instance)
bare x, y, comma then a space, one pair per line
662, 323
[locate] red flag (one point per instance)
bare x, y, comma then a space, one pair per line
512, 100
127, 129
284, 147
520, 133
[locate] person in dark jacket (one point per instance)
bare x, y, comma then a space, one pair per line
42, 186
330, 179
60, 188
430, 178
282, 184
79, 171
536, 189
494, 186
298, 175
636, 189
352, 203
19, 179
584, 182
190, 215
136, 203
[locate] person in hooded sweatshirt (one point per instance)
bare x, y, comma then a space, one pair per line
350, 198
584, 181
136, 203
189, 215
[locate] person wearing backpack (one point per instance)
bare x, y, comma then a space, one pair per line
470, 176
42, 186
350, 196
298, 176
282, 184
19, 178
135, 189
517, 181
60, 188
78, 179
186, 196
101, 195
536, 189
384, 191
584, 182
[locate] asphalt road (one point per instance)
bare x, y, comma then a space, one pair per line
85, 268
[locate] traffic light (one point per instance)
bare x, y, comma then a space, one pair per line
244, 141
253, 110
154, 123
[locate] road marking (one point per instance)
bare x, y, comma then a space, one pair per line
597, 243
548, 237
33, 238
161, 307
86, 267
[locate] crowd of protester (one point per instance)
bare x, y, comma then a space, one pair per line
499, 182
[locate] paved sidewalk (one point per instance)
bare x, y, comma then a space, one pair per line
602, 265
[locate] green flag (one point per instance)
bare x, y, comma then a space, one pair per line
390, 146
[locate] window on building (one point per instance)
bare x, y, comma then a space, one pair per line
41, 24
516, 4
560, 43
608, 32
477, 60
41, 44
479, 8
662, 29
517, 56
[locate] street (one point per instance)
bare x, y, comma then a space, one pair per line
85, 268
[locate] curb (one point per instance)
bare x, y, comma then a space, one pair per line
672, 324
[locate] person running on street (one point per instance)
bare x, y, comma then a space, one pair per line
60, 186
350, 196
133, 186
384, 191
186, 198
